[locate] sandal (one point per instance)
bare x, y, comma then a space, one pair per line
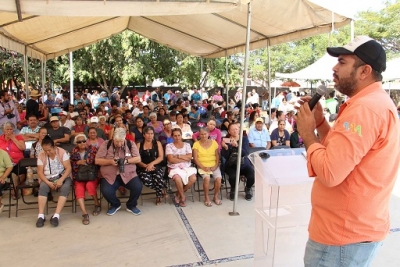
158, 201
182, 203
85, 219
14, 194
207, 204
97, 210
177, 199
217, 202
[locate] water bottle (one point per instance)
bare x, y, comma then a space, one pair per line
29, 175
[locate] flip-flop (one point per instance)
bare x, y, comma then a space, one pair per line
182, 203
177, 200
217, 202
207, 204
97, 210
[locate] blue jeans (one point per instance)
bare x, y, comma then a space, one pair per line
264, 105
352, 255
109, 191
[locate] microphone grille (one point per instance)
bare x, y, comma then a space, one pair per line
322, 90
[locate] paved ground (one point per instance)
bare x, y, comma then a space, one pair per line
162, 236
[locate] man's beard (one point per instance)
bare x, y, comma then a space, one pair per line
346, 86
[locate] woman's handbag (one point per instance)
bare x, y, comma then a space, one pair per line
86, 173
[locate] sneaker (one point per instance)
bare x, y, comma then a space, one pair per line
112, 210
232, 196
54, 221
248, 194
134, 211
40, 222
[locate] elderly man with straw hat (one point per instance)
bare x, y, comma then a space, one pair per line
32, 105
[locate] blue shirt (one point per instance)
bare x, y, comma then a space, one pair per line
196, 97
259, 138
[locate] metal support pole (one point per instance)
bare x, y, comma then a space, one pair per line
71, 79
227, 78
269, 81
26, 73
242, 110
42, 82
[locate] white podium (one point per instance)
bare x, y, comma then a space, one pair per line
282, 207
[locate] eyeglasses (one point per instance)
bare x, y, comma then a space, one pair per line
80, 142
167, 124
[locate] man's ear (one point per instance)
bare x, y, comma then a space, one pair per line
366, 71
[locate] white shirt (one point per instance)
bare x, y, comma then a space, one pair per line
68, 123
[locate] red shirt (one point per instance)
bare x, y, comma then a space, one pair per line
11, 148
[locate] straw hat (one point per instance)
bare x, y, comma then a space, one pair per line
35, 92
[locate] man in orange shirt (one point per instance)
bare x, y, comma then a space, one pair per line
355, 162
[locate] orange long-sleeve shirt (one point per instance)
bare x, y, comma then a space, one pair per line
356, 167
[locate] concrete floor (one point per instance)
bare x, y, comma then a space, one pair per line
162, 236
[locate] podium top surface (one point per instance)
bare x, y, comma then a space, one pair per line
281, 166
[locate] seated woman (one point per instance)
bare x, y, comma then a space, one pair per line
280, 136
162, 115
54, 169
79, 128
154, 123
93, 140
194, 114
206, 157
118, 123
185, 128
229, 152
137, 130
104, 126
83, 155
14, 145
37, 146
5, 170
179, 156
149, 169
296, 141
213, 132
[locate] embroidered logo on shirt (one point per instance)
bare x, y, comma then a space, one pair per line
353, 128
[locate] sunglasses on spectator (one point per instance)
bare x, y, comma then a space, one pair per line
80, 142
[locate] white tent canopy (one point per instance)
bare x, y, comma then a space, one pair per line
210, 28
319, 70
322, 70
392, 70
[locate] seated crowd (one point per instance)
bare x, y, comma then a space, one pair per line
125, 144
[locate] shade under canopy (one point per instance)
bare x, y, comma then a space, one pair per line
208, 28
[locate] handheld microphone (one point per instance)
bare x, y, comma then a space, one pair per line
321, 91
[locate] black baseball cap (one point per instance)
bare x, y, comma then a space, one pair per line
366, 48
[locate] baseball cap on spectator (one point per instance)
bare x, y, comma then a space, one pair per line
54, 118
103, 93
366, 48
63, 113
115, 89
177, 92
74, 114
259, 120
94, 119
215, 106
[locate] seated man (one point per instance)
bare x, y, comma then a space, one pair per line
58, 133
6, 167
30, 133
94, 122
117, 159
259, 136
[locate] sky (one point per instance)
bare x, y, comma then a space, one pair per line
351, 7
